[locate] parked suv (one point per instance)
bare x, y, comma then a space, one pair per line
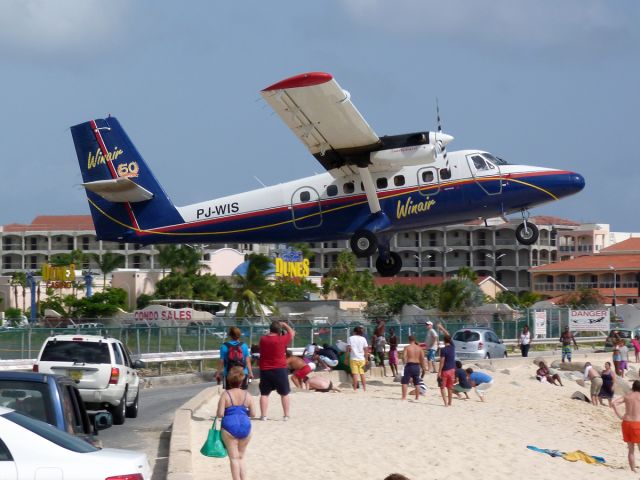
102, 368
475, 343
54, 399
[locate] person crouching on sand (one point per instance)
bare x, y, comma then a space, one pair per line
413, 357
480, 381
235, 408
630, 420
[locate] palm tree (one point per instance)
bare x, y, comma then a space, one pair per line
253, 289
19, 279
107, 263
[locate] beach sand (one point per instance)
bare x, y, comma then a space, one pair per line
372, 434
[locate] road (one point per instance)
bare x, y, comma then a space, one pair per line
151, 431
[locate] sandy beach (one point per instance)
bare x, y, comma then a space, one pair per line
371, 434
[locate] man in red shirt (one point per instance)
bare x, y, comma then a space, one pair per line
274, 374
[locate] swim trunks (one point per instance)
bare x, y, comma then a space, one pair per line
276, 379
596, 385
566, 352
357, 367
631, 431
303, 372
448, 377
431, 354
411, 372
459, 389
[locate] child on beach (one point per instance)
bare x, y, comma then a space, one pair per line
235, 408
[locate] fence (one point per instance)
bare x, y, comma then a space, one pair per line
145, 339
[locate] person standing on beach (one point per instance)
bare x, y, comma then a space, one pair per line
565, 339
393, 352
274, 374
624, 357
413, 357
447, 371
234, 353
635, 343
431, 345
358, 352
592, 374
630, 420
608, 383
525, 341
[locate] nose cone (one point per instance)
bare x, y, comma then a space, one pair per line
577, 181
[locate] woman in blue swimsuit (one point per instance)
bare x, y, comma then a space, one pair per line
235, 408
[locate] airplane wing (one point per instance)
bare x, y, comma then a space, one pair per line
321, 115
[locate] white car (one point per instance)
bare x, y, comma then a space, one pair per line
30, 448
102, 368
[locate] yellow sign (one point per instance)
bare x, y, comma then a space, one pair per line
292, 269
52, 273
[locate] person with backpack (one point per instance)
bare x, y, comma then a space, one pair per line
234, 353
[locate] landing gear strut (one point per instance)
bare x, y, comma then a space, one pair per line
527, 233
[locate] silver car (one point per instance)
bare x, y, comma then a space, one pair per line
475, 343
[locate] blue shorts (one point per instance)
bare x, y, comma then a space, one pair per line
431, 354
411, 372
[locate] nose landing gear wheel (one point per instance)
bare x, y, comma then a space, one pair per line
389, 267
363, 243
527, 233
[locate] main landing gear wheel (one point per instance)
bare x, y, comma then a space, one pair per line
527, 233
389, 267
363, 243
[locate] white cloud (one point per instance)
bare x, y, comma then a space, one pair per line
520, 23
59, 27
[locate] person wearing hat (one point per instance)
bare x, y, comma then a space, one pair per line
431, 345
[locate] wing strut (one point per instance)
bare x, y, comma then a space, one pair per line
369, 189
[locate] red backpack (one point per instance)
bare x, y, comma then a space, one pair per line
235, 355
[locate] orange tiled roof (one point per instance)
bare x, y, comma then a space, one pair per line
630, 245
47, 223
549, 220
629, 262
417, 281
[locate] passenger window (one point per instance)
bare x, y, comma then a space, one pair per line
117, 355
348, 187
126, 355
382, 183
74, 417
332, 190
305, 196
445, 173
479, 162
5, 454
398, 180
427, 176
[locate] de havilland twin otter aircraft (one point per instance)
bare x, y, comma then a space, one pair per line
373, 186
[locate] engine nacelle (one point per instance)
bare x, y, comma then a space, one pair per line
404, 156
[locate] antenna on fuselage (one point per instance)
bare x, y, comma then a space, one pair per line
259, 181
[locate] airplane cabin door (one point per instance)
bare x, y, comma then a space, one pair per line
306, 210
487, 175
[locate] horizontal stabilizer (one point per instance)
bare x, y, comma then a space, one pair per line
119, 190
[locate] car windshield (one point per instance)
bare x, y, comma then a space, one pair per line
25, 397
620, 333
51, 433
466, 336
77, 352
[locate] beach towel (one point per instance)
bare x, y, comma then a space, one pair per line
553, 453
570, 456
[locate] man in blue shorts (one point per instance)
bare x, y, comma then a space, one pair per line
565, 339
413, 357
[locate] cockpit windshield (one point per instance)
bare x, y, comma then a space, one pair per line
495, 160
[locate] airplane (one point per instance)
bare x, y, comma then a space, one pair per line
374, 186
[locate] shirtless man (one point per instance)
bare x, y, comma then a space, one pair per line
300, 369
591, 374
413, 357
630, 420
319, 383
565, 339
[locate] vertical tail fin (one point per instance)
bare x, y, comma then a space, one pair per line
124, 196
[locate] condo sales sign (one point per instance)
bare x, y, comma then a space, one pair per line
589, 320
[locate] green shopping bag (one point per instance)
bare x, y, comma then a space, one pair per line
214, 446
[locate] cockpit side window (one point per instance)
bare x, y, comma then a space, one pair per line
495, 160
479, 163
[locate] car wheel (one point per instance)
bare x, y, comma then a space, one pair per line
119, 411
132, 410
505, 353
487, 356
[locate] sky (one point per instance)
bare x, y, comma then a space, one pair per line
540, 82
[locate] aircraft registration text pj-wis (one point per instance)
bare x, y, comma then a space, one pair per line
373, 186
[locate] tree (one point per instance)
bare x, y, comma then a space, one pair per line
289, 289
585, 297
100, 304
253, 290
459, 295
75, 257
468, 273
397, 295
107, 263
19, 279
348, 283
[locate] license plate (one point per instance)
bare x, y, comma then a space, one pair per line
76, 375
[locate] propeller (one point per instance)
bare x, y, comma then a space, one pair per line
441, 146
